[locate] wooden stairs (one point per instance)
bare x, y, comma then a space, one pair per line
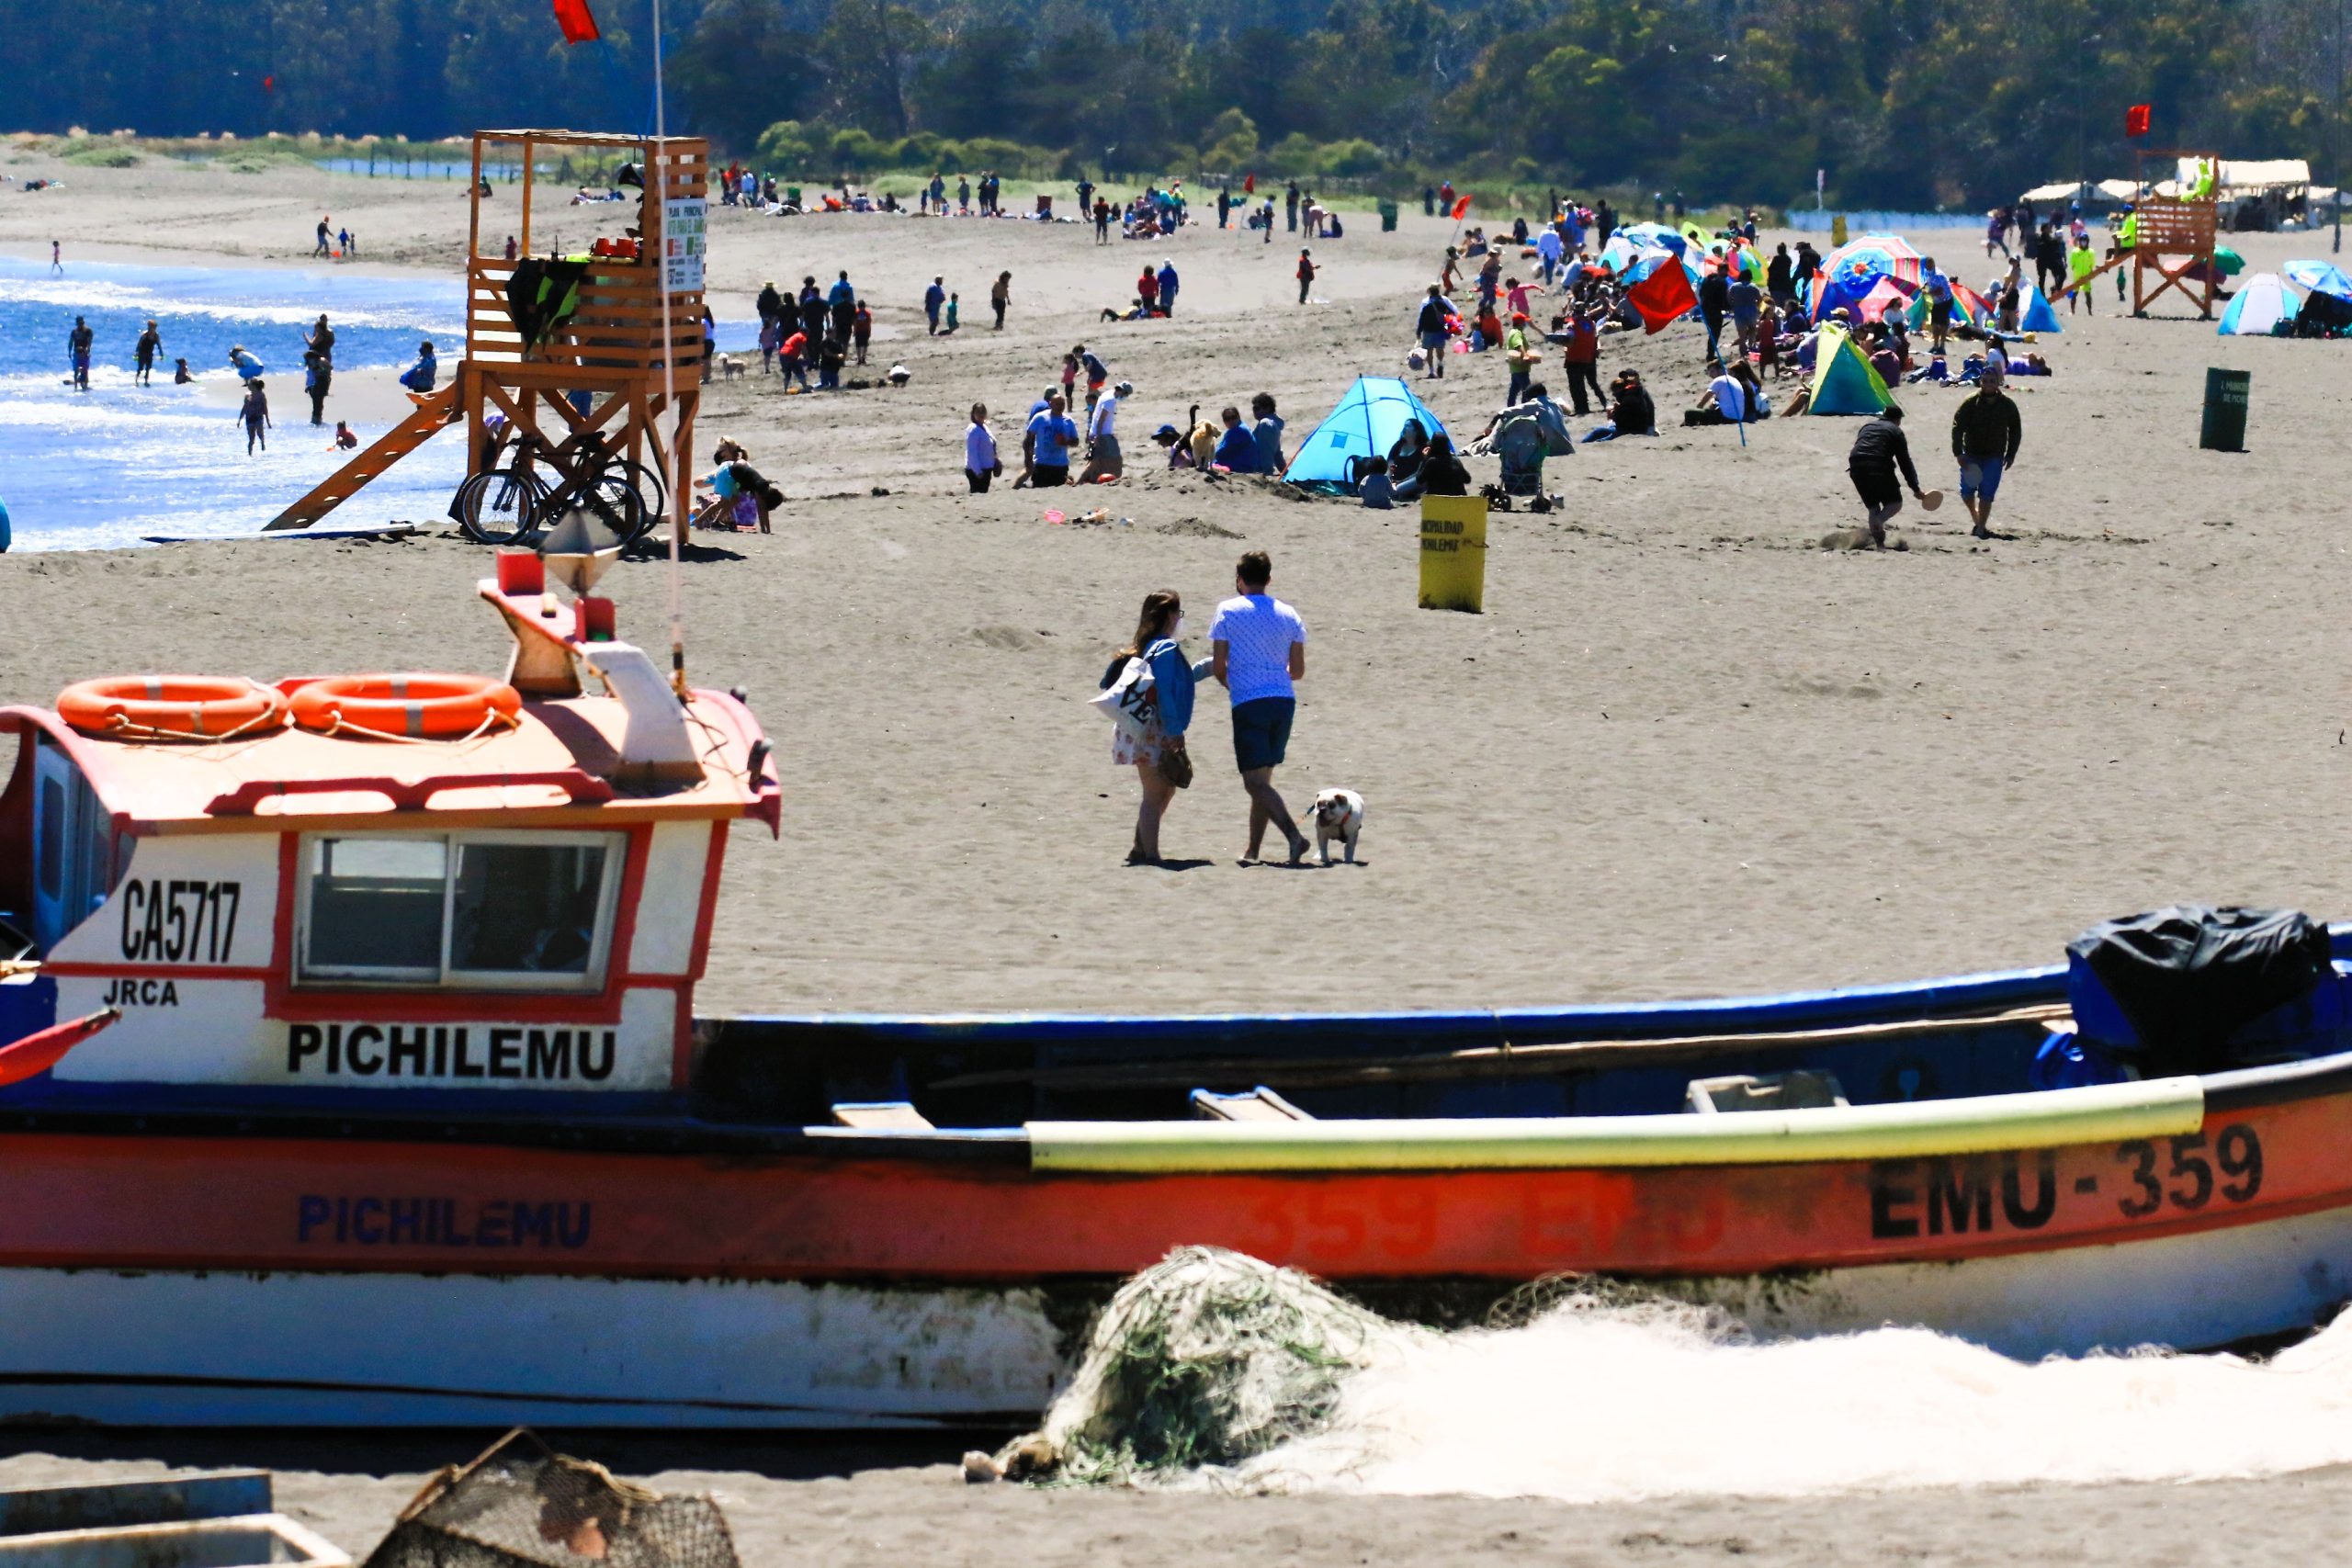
434, 411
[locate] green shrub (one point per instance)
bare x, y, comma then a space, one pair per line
1352, 158
103, 156
785, 146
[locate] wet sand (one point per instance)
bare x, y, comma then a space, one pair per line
1685, 751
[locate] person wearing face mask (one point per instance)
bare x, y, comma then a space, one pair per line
1157, 755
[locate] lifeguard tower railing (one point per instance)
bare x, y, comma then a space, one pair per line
610, 355
610, 368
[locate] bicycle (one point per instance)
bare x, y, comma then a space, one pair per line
509, 503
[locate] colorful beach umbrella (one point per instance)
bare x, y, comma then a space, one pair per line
2321, 277
1645, 235
1885, 255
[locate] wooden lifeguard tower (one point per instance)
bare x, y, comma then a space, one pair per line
601, 362
2172, 246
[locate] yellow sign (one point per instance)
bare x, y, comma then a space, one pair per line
1453, 553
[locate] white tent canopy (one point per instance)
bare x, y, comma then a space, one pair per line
2065, 190
2252, 174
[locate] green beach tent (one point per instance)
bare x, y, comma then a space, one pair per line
1843, 381
1369, 418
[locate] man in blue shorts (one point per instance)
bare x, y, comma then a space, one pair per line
1258, 648
1985, 433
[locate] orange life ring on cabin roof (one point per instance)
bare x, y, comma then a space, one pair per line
202, 708
412, 707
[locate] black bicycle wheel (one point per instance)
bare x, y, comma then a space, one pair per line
648, 484
499, 507
607, 501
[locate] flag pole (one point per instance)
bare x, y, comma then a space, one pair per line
681, 484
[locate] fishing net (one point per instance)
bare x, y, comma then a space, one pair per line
520, 1503
1205, 1358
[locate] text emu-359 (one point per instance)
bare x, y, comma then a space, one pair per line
2019, 1190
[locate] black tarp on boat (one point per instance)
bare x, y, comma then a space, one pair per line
2183, 988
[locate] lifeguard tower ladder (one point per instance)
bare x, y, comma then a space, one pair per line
601, 368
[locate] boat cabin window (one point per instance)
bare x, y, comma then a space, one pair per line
511, 911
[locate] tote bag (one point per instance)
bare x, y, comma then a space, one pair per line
1127, 702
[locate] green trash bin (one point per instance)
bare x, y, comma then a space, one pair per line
2225, 401
1387, 217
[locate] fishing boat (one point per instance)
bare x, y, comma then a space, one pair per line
353, 1076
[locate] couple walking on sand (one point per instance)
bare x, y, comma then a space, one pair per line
1257, 650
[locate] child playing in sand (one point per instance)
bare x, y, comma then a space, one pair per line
344, 438
731, 482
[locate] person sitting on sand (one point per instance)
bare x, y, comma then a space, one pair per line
1406, 453
1171, 441
1724, 403
1376, 489
1878, 451
1631, 411
181, 374
1441, 473
728, 483
346, 438
1237, 449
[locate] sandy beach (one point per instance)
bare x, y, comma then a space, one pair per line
1685, 751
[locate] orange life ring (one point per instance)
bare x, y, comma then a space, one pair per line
205, 707
415, 707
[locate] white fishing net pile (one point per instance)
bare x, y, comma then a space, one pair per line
1203, 1361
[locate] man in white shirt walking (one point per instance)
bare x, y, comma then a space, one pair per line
1257, 647
1102, 459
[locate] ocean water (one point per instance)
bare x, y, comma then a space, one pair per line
1600, 1402
102, 469
84, 470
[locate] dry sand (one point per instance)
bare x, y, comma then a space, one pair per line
1685, 751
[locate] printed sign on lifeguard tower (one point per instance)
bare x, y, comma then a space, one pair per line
683, 219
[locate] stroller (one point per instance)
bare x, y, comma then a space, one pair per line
1522, 437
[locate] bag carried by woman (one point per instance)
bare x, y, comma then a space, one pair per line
1128, 700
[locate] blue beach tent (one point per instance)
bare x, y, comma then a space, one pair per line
1366, 423
2034, 311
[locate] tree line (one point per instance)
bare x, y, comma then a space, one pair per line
1900, 102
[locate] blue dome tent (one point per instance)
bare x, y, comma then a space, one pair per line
1365, 423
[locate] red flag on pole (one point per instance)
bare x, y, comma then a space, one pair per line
1250, 186
1462, 209
2137, 118
578, 22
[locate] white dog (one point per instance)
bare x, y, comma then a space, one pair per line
730, 367
1339, 814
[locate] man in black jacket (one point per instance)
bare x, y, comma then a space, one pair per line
1715, 303
1985, 433
1879, 450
